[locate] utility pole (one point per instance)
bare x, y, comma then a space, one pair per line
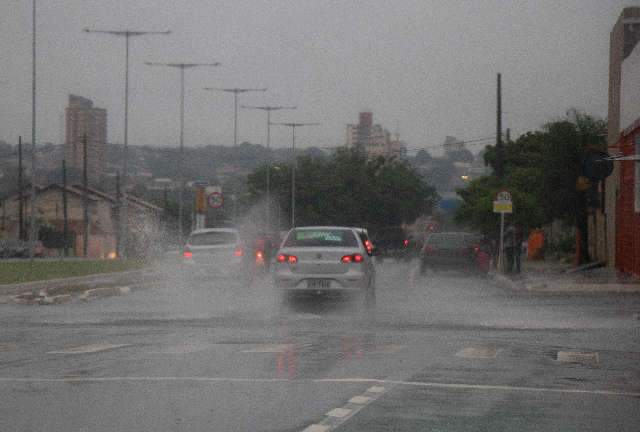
268, 109
235, 92
65, 214
118, 213
499, 147
33, 233
85, 197
127, 34
294, 165
21, 235
182, 67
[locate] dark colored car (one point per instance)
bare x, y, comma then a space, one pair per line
453, 250
20, 249
393, 242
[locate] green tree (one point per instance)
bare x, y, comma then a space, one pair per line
541, 170
348, 189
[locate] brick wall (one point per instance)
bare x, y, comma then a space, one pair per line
627, 220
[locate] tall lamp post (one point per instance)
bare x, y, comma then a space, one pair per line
127, 34
293, 127
32, 228
268, 109
182, 67
235, 92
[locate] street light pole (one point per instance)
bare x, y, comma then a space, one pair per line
32, 228
293, 127
235, 92
268, 109
127, 34
182, 67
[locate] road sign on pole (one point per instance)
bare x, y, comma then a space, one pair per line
215, 200
502, 205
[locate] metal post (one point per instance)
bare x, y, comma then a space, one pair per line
499, 147
294, 166
85, 198
293, 178
268, 109
123, 222
235, 119
21, 235
268, 171
501, 247
118, 215
124, 226
181, 160
32, 229
65, 211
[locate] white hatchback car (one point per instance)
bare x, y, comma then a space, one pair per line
215, 250
325, 259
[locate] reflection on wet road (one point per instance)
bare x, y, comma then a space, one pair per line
445, 352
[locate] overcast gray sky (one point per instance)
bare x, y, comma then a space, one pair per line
428, 66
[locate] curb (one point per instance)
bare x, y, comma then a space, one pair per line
504, 282
111, 278
542, 287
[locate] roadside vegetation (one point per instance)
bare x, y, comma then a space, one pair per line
13, 272
348, 189
542, 170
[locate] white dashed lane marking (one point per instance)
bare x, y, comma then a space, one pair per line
360, 400
338, 416
316, 428
376, 389
339, 412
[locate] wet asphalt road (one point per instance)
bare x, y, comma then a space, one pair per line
446, 353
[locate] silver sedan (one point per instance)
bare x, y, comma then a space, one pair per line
323, 259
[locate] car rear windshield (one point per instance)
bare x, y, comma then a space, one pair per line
450, 240
213, 238
321, 238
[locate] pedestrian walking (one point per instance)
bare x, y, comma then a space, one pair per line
517, 247
509, 247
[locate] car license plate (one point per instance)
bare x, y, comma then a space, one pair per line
318, 283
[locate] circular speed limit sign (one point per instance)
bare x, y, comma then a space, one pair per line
215, 200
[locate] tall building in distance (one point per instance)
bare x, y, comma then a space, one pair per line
372, 139
82, 118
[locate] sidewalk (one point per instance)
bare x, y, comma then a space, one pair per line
558, 278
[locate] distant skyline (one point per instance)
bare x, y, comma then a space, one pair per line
427, 66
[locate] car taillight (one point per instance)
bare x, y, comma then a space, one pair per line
476, 248
291, 259
405, 243
355, 258
368, 246
238, 252
187, 254
259, 257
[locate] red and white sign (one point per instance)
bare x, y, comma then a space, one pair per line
215, 200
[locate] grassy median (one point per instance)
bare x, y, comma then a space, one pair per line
24, 271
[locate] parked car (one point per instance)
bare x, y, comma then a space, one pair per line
325, 260
215, 250
453, 250
20, 249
